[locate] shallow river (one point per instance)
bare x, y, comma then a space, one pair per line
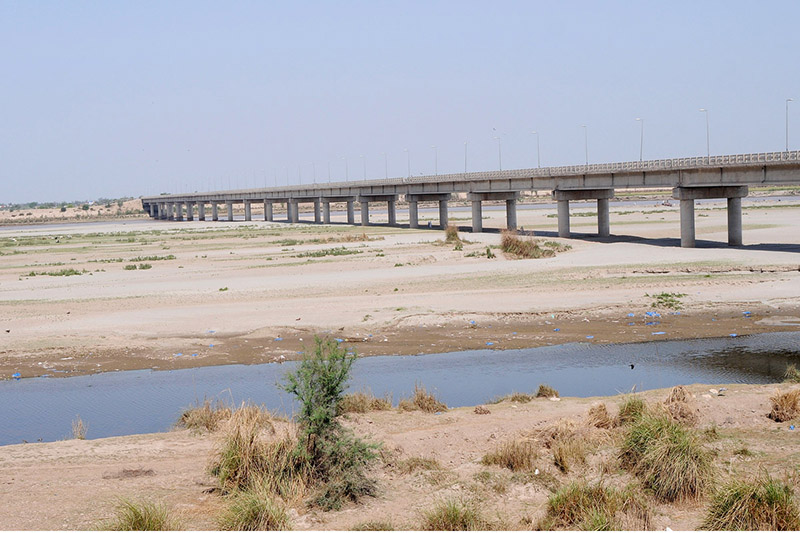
145, 401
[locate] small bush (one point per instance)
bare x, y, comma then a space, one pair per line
569, 453
412, 464
598, 417
792, 374
205, 416
581, 506
515, 455
141, 516
546, 391
631, 410
254, 510
667, 457
760, 505
451, 235
677, 405
145, 266
454, 515
363, 402
670, 300
129, 267
79, 429
512, 244
785, 406
422, 400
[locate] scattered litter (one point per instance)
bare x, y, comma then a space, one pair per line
489, 344
555, 399
659, 333
278, 338
652, 313
210, 345
472, 322
631, 323
16, 375
536, 472
339, 340
791, 428
734, 335
631, 315
713, 320
557, 329
676, 313
212, 331
590, 336
652, 323
746, 313
194, 355
178, 354
713, 391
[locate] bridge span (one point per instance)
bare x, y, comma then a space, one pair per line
691, 178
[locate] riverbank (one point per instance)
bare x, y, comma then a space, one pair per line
76, 484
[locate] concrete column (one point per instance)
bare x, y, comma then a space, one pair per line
563, 218
295, 211
229, 205
201, 211
189, 211
326, 212
477, 217
735, 221
351, 212
152, 209
443, 213
317, 216
511, 214
687, 223
179, 211
413, 214
159, 211
392, 212
248, 211
603, 222
288, 211
364, 213
267, 211
214, 211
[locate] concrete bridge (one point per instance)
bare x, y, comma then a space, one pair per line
692, 178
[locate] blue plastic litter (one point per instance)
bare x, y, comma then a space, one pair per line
652, 323
339, 340
179, 354
659, 333
513, 332
590, 336
194, 355
631, 323
557, 329
210, 345
631, 314
791, 427
16, 375
676, 313
278, 338
212, 331
733, 335
489, 344
746, 313
472, 322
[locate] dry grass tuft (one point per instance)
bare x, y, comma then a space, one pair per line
548, 435
364, 402
412, 464
760, 505
516, 455
785, 406
581, 506
598, 416
678, 394
79, 429
451, 234
481, 410
254, 510
454, 515
512, 244
568, 453
141, 516
205, 416
546, 391
373, 525
422, 400
792, 374
677, 405
631, 410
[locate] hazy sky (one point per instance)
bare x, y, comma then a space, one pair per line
133, 98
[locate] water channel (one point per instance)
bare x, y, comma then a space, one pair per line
145, 401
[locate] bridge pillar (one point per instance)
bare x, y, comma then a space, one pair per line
179, 211
317, 217
190, 211
229, 206
267, 211
390, 205
477, 216
365, 201
443, 213
563, 197
326, 212
294, 211
248, 211
152, 210
511, 214
413, 214
201, 210
214, 211
687, 196
351, 212
364, 212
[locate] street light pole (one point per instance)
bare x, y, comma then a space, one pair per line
538, 160
708, 136
314, 171
435, 160
586, 142
787, 122
641, 139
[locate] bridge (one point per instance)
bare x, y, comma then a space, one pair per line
691, 178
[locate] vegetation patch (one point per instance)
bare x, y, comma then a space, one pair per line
518, 455
142, 259
512, 244
598, 416
518, 397
454, 515
363, 402
79, 429
785, 405
373, 525
546, 391
667, 457
412, 464
631, 410
141, 516
422, 400
792, 374
581, 506
254, 510
330, 251
760, 505
669, 300
62, 272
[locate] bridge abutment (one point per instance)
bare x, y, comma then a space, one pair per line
687, 196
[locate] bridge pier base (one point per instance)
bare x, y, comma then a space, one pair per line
190, 211
267, 211
364, 213
214, 211
201, 211
229, 206
179, 212
477, 216
365, 200
351, 213
248, 211
563, 197
511, 214
687, 196
510, 197
413, 213
392, 211
317, 214
443, 219
293, 209
326, 212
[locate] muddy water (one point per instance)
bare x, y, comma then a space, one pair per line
143, 401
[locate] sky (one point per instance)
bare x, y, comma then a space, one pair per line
131, 98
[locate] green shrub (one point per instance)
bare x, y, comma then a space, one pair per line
631, 410
581, 506
454, 515
254, 510
141, 516
129, 267
760, 505
667, 457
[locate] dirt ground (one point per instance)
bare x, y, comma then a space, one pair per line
250, 292
76, 484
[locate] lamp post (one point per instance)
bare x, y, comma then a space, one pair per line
538, 161
708, 136
435, 160
314, 171
787, 122
408, 160
641, 138
586, 142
